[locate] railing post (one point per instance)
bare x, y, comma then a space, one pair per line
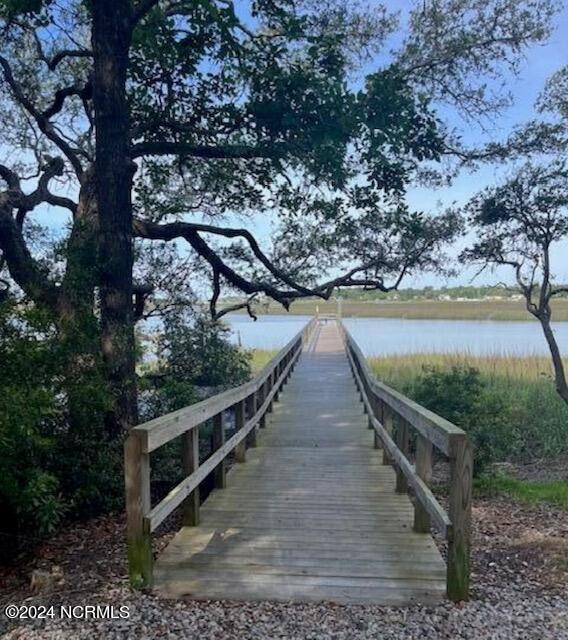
378, 413
275, 376
251, 410
424, 471
137, 482
459, 544
268, 389
190, 463
261, 396
218, 434
388, 425
241, 448
402, 436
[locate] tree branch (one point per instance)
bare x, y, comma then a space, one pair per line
42, 122
21, 265
67, 53
83, 91
191, 233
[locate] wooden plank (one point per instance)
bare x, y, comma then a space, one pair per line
240, 419
388, 424
459, 544
190, 463
137, 486
297, 555
224, 575
218, 536
252, 409
218, 440
424, 471
286, 592
261, 396
319, 568
402, 443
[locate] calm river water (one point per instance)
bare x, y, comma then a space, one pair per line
393, 335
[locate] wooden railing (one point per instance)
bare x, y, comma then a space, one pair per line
392, 416
249, 404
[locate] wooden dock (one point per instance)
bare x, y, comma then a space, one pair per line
313, 514
315, 506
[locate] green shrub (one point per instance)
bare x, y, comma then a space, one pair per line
193, 358
462, 396
507, 405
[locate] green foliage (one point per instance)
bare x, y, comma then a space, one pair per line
510, 414
29, 415
192, 353
193, 360
463, 397
55, 459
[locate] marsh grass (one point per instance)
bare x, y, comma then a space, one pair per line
260, 358
508, 404
495, 366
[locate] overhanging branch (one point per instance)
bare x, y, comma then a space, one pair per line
192, 234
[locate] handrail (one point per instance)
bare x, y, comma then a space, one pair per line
254, 397
388, 411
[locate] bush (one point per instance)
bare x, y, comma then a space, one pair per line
193, 360
462, 396
507, 406
192, 355
48, 470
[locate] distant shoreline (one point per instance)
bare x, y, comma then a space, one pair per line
498, 310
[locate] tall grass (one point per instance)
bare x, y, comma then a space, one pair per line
495, 366
260, 358
509, 404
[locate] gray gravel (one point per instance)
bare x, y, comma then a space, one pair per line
520, 592
504, 613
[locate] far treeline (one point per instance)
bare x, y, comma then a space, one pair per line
433, 293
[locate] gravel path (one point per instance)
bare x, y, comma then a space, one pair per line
509, 614
520, 578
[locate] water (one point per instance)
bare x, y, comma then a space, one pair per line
378, 336
268, 332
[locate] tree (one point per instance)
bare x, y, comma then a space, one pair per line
154, 112
518, 223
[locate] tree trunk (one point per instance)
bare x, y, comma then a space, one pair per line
76, 321
557, 362
114, 173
